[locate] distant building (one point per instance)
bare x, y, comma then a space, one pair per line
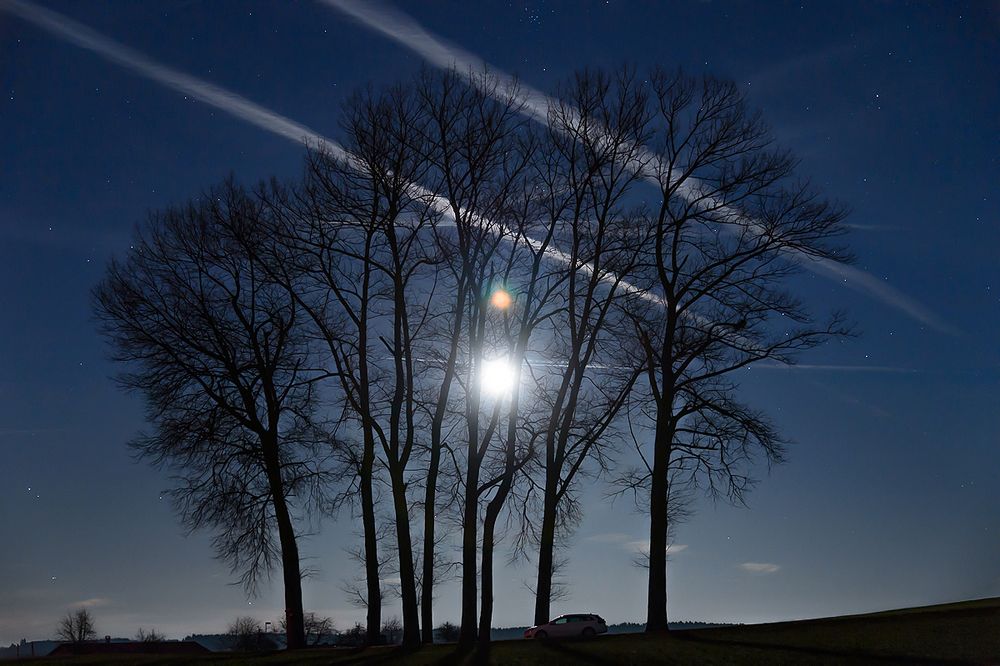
28, 649
224, 642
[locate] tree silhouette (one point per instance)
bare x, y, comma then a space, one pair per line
331, 342
218, 354
319, 629
354, 255
586, 174
731, 225
149, 636
246, 634
76, 627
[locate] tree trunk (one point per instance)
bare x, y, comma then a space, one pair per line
656, 612
546, 555
430, 492
294, 619
470, 515
290, 568
467, 633
427, 583
486, 611
372, 573
408, 586
374, 585
489, 530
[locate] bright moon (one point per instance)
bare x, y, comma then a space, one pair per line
497, 377
501, 299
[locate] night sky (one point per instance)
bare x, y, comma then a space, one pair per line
889, 497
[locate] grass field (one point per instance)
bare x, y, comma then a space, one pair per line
966, 632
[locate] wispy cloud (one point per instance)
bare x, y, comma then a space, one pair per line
859, 280
632, 545
760, 567
406, 31
95, 602
641, 546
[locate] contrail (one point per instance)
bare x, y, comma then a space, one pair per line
225, 100
403, 29
406, 31
82, 36
218, 97
230, 102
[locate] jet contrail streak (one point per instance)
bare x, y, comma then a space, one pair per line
406, 31
403, 29
225, 100
82, 36
222, 99
242, 108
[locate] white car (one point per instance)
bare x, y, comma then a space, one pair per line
574, 624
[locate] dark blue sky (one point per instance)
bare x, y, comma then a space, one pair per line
889, 497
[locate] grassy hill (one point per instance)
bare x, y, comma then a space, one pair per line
966, 632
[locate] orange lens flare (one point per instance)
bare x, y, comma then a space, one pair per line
501, 299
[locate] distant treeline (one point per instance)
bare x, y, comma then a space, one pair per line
220, 642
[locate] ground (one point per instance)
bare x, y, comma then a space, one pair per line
966, 632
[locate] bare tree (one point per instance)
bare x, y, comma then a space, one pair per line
355, 257
218, 352
730, 227
392, 630
383, 133
319, 629
246, 634
518, 317
76, 627
443, 97
149, 636
313, 258
475, 151
589, 168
